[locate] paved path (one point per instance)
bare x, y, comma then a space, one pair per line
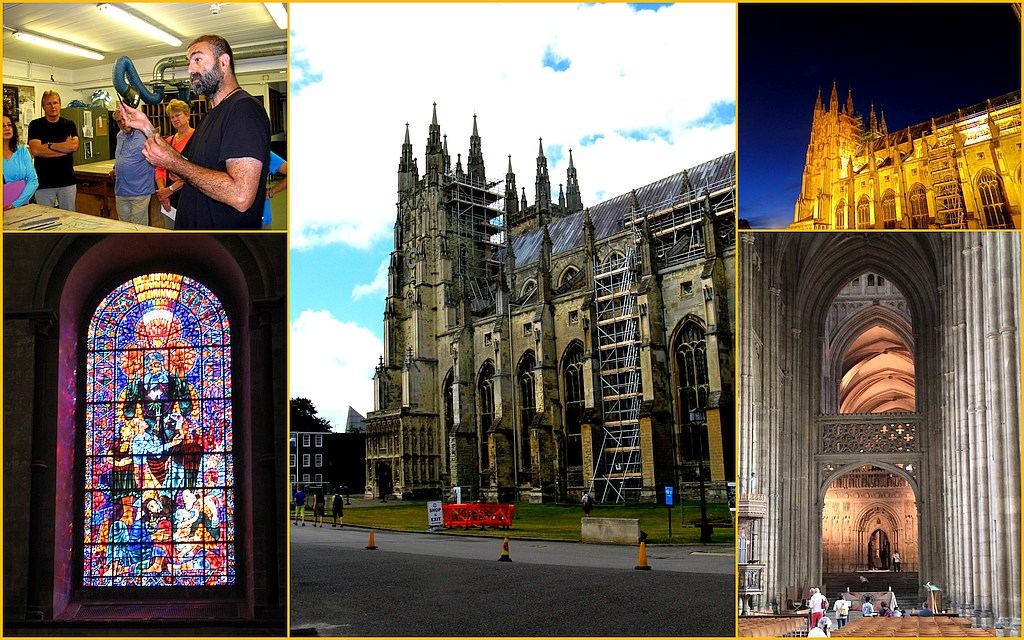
426, 585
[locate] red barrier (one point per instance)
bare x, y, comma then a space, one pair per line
478, 515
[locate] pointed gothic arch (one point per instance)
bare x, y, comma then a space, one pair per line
571, 377
527, 395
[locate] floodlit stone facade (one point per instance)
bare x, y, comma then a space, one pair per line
958, 171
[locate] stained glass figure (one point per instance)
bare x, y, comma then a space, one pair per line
159, 476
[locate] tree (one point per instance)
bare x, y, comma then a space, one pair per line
304, 416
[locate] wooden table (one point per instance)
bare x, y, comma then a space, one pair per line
96, 189
36, 217
96, 193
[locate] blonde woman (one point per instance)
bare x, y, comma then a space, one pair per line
169, 185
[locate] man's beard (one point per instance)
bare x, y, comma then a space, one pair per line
207, 84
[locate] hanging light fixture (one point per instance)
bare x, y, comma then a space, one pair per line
57, 45
138, 24
278, 13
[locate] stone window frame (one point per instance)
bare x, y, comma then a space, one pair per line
889, 209
691, 383
574, 394
992, 195
527, 408
918, 199
841, 214
864, 213
485, 402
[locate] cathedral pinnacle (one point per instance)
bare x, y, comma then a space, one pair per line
475, 163
573, 199
833, 102
543, 184
849, 101
818, 106
872, 120
511, 201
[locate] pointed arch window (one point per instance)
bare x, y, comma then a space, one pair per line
158, 494
993, 200
919, 206
449, 416
841, 214
694, 388
572, 381
863, 213
527, 406
889, 209
485, 393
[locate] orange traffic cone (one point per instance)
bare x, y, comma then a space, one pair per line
641, 561
504, 552
369, 544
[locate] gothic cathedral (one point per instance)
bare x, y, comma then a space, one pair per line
958, 171
535, 351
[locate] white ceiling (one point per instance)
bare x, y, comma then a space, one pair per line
240, 23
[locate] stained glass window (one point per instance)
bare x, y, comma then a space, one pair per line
159, 499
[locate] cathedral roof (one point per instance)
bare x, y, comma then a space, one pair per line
609, 216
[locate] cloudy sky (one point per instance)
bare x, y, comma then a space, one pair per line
638, 92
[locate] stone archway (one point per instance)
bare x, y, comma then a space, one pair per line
857, 502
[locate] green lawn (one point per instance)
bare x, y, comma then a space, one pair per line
556, 522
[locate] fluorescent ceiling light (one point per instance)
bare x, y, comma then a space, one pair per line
57, 45
138, 24
278, 13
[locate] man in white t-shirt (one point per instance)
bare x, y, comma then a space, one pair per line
842, 609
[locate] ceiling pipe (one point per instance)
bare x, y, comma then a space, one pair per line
243, 52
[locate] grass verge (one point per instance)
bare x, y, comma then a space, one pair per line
557, 522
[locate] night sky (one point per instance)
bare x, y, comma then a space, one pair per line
912, 61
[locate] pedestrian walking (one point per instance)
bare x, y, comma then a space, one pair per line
338, 510
299, 502
587, 503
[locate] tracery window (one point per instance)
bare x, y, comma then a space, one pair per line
449, 414
159, 478
993, 200
527, 405
841, 214
889, 210
485, 392
863, 213
919, 206
692, 363
572, 377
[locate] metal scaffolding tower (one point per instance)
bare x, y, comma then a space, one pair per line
618, 465
476, 224
949, 200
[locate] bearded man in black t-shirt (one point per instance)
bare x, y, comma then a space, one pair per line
225, 163
52, 141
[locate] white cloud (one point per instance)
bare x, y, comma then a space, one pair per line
383, 65
379, 284
332, 364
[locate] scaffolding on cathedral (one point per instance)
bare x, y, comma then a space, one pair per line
618, 464
676, 222
476, 217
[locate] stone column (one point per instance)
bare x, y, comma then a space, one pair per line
994, 423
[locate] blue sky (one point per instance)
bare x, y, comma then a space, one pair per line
638, 92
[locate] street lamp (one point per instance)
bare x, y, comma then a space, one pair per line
699, 419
